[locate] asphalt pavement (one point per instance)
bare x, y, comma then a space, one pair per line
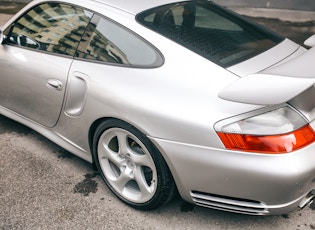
42, 186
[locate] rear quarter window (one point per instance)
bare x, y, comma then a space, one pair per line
108, 42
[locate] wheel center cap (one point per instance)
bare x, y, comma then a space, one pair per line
130, 164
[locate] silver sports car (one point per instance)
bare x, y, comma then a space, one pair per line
165, 97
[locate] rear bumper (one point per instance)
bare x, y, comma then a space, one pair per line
256, 184
249, 207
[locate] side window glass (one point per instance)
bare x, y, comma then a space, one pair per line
108, 42
51, 27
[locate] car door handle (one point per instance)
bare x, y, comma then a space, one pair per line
54, 84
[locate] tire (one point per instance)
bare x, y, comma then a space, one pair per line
131, 166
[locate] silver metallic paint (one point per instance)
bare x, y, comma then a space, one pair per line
164, 104
26, 76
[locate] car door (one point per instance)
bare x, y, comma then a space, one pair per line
35, 59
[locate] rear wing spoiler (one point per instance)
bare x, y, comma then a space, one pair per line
275, 85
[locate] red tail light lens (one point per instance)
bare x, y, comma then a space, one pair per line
278, 131
282, 143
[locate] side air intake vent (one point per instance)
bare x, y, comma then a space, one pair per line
230, 204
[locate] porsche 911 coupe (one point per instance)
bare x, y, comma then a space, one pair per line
167, 97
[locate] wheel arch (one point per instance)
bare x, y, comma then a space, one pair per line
97, 122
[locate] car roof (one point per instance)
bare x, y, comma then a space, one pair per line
135, 6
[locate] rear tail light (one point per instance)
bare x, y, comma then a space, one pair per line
279, 131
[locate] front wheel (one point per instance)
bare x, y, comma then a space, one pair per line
131, 166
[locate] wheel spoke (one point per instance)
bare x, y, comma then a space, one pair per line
122, 180
122, 143
105, 152
145, 189
142, 160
